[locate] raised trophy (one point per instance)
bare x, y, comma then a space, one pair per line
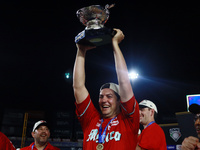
95, 34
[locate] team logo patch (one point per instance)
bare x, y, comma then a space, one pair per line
175, 133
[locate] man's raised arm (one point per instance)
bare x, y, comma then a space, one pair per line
80, 91
125, 88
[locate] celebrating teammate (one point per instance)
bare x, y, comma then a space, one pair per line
152, 136
41, 134
116, 127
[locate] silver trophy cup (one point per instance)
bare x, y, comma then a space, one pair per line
95, 34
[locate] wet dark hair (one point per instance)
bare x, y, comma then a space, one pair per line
107, 85
118, 97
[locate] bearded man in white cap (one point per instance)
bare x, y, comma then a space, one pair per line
41, 134
152, 136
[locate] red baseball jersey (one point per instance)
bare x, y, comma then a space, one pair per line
5, 143
152, 137
32, 147
121, 133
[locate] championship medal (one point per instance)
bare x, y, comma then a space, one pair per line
102, 136
100, 146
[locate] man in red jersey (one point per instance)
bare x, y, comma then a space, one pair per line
5, 143
116, 127
191, 142
152, 136
41, 135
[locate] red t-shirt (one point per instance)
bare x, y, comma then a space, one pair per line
32, 147
5, 143
121, 133
152, 138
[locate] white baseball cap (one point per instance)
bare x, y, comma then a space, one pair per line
149, 104
37, 124
111, 86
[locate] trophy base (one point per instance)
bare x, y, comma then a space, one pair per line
95, 37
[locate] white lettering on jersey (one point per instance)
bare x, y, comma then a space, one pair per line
93, 134
98, 123
114, 135
117, 136
110, 136
113, 123
107, 137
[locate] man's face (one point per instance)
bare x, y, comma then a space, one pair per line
145, 115
41, 135
108, 103
197, 124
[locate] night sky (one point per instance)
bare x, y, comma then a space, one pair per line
37, 48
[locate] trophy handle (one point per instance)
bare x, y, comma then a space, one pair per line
109, 6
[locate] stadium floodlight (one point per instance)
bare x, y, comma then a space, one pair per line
67, 75
133, 75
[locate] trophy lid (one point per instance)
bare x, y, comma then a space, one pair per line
92, 12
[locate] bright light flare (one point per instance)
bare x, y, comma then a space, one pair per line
133, 75
67, 75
